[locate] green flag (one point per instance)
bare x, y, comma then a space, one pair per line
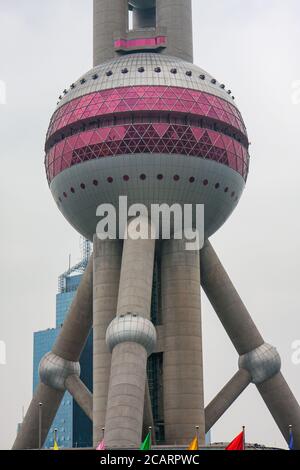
146, 445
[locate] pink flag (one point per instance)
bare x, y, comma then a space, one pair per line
101, 446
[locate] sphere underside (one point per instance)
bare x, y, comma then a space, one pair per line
146, 179
153, 128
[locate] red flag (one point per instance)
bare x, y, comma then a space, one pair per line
238, 443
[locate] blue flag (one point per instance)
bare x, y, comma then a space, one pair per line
291, 443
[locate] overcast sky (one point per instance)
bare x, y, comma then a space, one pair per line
253, 47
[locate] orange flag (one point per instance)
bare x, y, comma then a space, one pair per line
238, 443
194, 444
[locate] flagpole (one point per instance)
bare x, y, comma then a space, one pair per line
103, 431
55, 435
150, 432
244, 437
40, 425
290, 436
197, 434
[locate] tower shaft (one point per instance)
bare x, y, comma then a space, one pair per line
164, 27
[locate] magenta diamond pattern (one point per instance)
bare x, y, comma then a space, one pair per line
147, 138
146, 98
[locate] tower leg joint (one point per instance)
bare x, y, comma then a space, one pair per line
54, 371
131, 328
262, 363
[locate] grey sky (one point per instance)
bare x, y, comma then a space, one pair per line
253, 47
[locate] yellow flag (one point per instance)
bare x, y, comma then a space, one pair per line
194, 444
55, 447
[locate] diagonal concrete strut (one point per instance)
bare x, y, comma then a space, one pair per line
258, 358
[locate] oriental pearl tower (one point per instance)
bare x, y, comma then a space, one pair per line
147, 123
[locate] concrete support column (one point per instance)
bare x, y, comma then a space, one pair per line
226, 397
283, 406
131, 338
110, 16
227, 303
182, 361
66, 352
107, 265
176, 16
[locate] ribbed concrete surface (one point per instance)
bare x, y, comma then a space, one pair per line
182, 364
107, 265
